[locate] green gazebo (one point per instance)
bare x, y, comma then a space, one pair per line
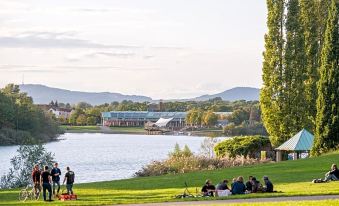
302, 142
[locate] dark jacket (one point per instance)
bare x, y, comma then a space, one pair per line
335, 173
269, 186
238, 188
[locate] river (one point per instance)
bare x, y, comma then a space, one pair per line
100, 157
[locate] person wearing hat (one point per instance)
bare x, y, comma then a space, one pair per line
268, 185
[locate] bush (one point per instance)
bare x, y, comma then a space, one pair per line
20, 173
242, 146
183, 161
193, 163
256, 128
11, 136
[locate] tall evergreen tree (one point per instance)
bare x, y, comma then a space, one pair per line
271, 92
294, 74
322, 14
327, 121
309, 17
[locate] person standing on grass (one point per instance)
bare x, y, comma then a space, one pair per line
69, 179
36, 180
46, 180
56, 172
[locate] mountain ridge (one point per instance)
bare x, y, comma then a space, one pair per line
43, 94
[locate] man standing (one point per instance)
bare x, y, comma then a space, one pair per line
36, 180
46, 180
56, 172
69, 178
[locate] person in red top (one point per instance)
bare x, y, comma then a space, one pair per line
36, 173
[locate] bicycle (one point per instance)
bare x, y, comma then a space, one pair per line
27, 193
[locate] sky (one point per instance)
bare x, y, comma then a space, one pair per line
159, 48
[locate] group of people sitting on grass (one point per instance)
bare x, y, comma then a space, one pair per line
237, 187
47, 178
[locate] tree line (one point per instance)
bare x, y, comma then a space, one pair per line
22, 122
301, 72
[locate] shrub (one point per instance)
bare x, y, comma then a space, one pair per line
242, 146
20, 173
193, 163
256, 128
180, 161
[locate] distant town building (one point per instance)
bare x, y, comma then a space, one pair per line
154, 107
139, 118
61, 112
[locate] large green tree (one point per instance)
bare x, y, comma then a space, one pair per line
272, 90
311, 31
294, 74
327, 121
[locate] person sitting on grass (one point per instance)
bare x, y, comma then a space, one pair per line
333, 174
249, 184
233, 181
239, 186
268, 185
222, 185
222, 189
256, 185
208, 189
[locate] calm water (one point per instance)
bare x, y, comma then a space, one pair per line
99, 157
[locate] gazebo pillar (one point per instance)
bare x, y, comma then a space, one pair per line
295, 155
278, 156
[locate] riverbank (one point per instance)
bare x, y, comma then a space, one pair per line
104, 130
290, 178
138, 130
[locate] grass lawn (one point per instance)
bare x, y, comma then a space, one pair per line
288, 203
290, 178
129, 130
79, 128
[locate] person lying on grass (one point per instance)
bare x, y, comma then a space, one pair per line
333, 174
208, 189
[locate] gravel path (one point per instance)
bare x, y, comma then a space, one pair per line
251, 200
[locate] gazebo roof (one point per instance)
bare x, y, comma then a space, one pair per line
303, 141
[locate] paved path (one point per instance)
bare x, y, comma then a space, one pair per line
251, 200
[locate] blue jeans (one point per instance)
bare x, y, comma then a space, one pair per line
47, 186
56, 183
69, 188
329, 177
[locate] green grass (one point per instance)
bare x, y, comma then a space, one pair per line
287, 203
129, 130
80, 128
291, 178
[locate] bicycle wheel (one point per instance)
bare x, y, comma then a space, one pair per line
23, 195
36, 195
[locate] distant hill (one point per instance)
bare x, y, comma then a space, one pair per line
236, 93
43, 95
